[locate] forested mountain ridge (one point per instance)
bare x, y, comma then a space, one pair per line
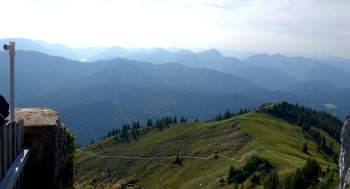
149, 90
186, 155
93, 98
38, 73
305, 117
125, 90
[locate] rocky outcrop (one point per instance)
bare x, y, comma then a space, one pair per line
50, 146
344, 158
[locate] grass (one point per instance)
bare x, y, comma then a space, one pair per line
252, 133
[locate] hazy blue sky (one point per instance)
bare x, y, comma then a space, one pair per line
310, 26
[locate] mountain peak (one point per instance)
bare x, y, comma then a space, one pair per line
212, 52
278, 56
110, 53
157, 50
210, 55
183, 51
262, 56
116, 47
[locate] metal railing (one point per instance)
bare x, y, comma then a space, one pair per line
13, 155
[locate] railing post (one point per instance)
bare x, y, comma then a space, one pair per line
13, 155
15, 140
5, 150
22, 144
1, 149
19, 135
20, 127
10, 145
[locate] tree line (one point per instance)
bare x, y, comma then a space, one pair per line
259, 171
305, 117
124, 133
228, 114
309, 176
295, 114
254, 164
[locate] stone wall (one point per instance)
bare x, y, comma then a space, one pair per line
48, 137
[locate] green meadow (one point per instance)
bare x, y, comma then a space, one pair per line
149, 161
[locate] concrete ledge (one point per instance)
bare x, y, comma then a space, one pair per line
48, 137
38, 116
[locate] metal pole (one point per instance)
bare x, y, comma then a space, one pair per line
12, 80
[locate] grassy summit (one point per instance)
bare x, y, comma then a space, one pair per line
150, 162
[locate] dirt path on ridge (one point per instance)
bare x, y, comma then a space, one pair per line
241, 158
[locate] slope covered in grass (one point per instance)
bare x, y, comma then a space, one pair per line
149, 161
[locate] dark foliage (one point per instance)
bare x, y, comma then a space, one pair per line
306, 117
228, 115
304, 177
254, 179
251, 166
272, 182
178, 160
305, 148
66, 176
123, 134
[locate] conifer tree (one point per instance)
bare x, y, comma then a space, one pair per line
134, 135
305, 148
323, 143
218, 117
272, 182
137, 132
227, 114
182, 119
297, 180
177, 160
254, 179
222, 181
149, 122
196, 120
163, 120
231, 173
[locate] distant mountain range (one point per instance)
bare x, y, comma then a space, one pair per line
261, 69
43, 47
94, 97
103, 53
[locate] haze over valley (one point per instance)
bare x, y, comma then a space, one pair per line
117, 85
185, 94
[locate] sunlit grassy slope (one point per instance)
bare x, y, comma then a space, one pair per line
235, 139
